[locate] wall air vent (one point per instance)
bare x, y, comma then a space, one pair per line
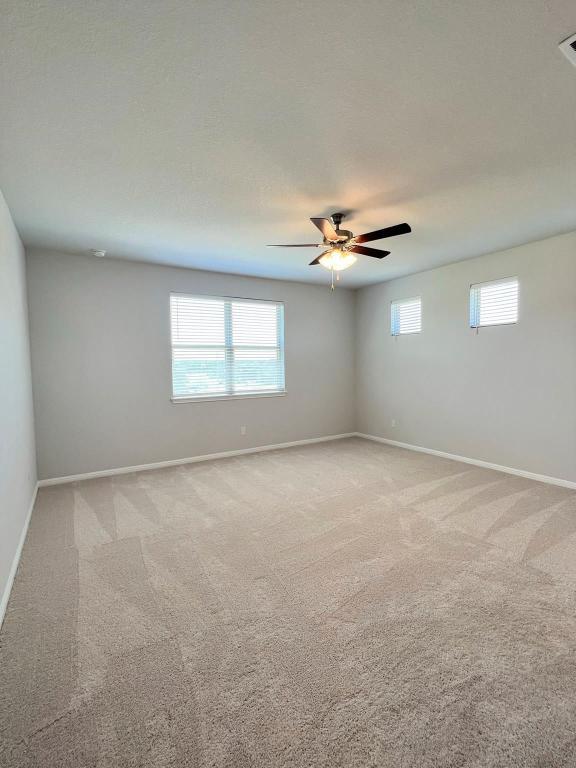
568, 48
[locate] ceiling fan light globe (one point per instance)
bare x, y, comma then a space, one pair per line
338, 260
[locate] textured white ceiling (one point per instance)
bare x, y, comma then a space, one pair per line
194, 133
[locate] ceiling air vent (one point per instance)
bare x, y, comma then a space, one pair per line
568, 48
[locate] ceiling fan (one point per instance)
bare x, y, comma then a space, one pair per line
342, 245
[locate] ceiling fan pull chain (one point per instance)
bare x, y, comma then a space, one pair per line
332, 273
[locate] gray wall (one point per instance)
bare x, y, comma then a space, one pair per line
17, 452
506, 395
101, 365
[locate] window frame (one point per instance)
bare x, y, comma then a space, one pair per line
497, 281
407, 300
214, 397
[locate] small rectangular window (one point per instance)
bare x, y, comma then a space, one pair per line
225, 347
494, 303
406, 316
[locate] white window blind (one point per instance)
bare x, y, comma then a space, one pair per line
406, 316
223, 347
494, 303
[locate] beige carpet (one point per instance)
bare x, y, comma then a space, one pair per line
344, 604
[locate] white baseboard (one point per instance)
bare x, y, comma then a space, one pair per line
16, 559
476, 462
190, 460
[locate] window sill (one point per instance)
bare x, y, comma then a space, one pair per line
492, 325
219, 398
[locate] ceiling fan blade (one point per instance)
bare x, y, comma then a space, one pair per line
380, 234
317, 259
325, 226
295, 245
370, 251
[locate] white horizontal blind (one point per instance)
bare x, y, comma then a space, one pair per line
494, 303
224, 347
406, 316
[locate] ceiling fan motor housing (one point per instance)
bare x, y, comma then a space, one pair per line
343, 234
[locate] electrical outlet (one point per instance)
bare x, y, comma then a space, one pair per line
243, 429
393, 422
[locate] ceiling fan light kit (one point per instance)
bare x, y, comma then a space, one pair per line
342, 245
337, 260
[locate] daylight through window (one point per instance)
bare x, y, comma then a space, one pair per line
406, 316
494, 303
224, 347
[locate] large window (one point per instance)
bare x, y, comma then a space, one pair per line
223, 347
494, 303
406, 316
